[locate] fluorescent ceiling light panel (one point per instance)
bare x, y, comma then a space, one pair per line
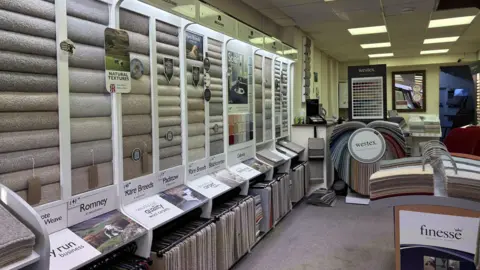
440, 40
368, 30
451, 21
434, 51
376, 45
377, 55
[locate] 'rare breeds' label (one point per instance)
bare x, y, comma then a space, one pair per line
142, 187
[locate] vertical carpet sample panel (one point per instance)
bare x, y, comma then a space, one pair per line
267, 78
284, 98
195, 102
168, 91
136, 107
90, 103
259, 97
29, 137
277, 97
216, 102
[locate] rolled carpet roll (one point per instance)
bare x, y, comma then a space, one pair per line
19, 23
136, 104
167, 49
176, 130
82, 154
133, 169
17, 181
216, 137
134, 22
161, 70
27, 102
138, 43
216, 88
175, 81
24, 82
216, 100
49, 193
196, 104
142, 142
177, 140
90, 129
214, 48
215, 62
167, 28
145, 59
39, 9
170, 151
169, 101
214, 55
196, 129
218, 81
160, 57
21, 43
24, 160
189, 79
25, 121
169, 121
87, 81
193, 117
27, 140
268, 94
196, 154
90, 10
168, 90
216, 93
196, 141
140, 86
216, 71
216, 109
169, 111
216, 119
167, 39
216, 148
27, 63
80, 177
90, 105
137, 125
171, 162
194, 92
194, 63
258, 61
213, 123
95, 36
87, 56
258, 106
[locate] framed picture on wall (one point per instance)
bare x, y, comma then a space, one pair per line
409, 91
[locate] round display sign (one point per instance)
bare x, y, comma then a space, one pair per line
366, 145
207, 94
136, 154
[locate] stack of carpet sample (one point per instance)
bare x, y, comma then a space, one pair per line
169, 103
278, 97
357, 174
195, 106
16, 240
270, 158
400, 177
258, 74
424, 124
29, 138
284, 99
466, 182
267, 78
216, 102
136, 105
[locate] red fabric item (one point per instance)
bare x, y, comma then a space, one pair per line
464, 141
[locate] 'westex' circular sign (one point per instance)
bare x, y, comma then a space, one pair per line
366, 145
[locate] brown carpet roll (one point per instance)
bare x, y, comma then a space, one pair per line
216, 109
170, 162
169, 111
167, 49
170, 151
169, 121
90, 105
17, 181
216, 93
216, 100
49, 193
80, 177
19, 23
134, 22
138, 43
163, 143
136, 104
196, 104
34, 8
24, 82
258, 91
196, 117
137, 125
27, 102
165, 90
133, 169
167, 39
82, 153
167, 28
26, 140
27, 63
95, 36
196, 129
25, 121
22, 160
145, 59
87, 81
194, 92
21, 43
142, 142
90, 10
169, 101
216, 62
176, 130
161, 70
90, 129
87, 56
140, 86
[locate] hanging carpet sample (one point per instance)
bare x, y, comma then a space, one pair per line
195, 100
267, 67
284, 99
465, 183
259, 116
278, 98
216, 101
136, 105
169, 103
29, 139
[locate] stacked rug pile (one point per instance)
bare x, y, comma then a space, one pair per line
466, 182
357, 174
16, 240
424, 124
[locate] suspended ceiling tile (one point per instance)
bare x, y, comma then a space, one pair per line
406, 8
446, 31
444, 14
376, 38
285, 3
285, 22
387, 3
319, 26
273, 13
259, 4
361, 18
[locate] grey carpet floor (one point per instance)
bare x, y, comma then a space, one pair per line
318, 238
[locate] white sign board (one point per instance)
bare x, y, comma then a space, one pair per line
216, 163
208, 186
240, 155
186, 8
152, 211
142, 187
366, 145
217, 20
55, 217
67, 250
84, 207
171, 178
197, 169
244, 171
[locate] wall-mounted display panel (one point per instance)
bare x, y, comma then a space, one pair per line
214, 82
268, 95
184, 8
259, 99
284, 98
278, 96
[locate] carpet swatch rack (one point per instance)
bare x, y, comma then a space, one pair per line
356, 174
122, 259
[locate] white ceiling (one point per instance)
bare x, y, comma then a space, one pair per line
406, 21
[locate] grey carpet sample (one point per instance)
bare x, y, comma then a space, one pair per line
169, 101
167, 49
25, 140
87, 81
194, 92
169, 121
28, 102
216, 147
95, 36
138, 43
258, 61
216, 109
216, 71
170, 162
26, 63
136, 104
137, 125
175, 130
17, 181
167, 38
23, 160
140, 86
142, 142
168, 90
21, 43
24, 82
90, 105
196, 154
34, 8
218, 88
216, 137
216, 102
90, 129
87, 56
90, 153
177, 140
90, 10
170, 151
25, 121
196, 141
49, 193
133, 169
134, 22
169, 111
215, 55
80, 177
19, 23
196, 104
167, 28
